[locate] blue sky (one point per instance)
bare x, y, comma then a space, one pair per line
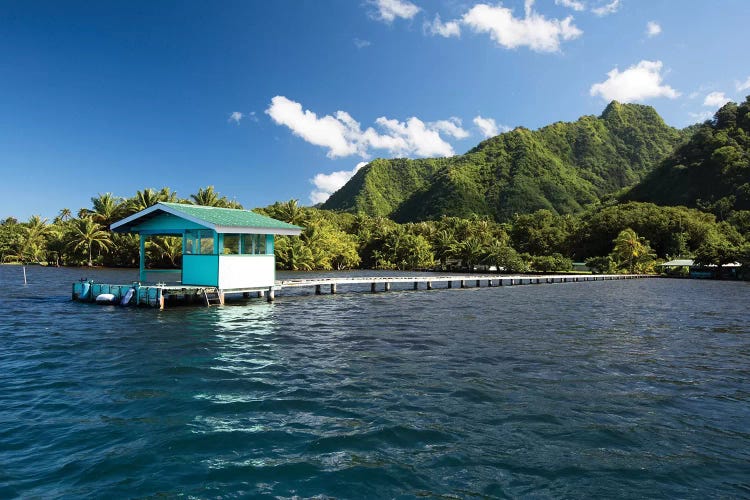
269, 101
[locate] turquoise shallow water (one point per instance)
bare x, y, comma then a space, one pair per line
622, 389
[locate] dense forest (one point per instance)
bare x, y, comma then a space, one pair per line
631, 236
707, 169
711, 171
563, 167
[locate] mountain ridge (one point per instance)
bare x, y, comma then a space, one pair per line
561, 167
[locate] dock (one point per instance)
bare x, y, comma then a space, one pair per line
164, 295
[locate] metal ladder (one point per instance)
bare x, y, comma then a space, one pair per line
213, 297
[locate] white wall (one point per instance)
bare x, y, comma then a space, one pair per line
246, 271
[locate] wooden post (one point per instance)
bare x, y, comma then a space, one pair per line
160, 298
333, 288
463, 283
416, 285
270, 294
478, 285
261, 293
387, 286
450, 284
429, 285
317, 290
373, 289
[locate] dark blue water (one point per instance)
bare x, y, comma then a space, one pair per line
621, 389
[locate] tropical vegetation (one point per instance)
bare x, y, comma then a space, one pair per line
504, 205
563, 167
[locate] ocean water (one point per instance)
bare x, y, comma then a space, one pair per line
619, 389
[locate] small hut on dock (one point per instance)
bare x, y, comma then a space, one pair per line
227, 249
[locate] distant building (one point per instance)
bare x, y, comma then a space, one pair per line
727, 271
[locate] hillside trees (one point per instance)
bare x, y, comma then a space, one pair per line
560, 168
711, 171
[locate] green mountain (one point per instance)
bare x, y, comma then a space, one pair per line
711, 171
561, 167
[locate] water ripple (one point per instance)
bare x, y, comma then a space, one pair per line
607, 389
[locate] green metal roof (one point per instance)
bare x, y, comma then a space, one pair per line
229, 217
222, 220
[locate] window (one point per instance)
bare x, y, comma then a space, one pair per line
254, 244
231, 244
206, 242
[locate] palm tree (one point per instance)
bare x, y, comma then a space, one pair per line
234, 204
106, 209
166, 194
444, 243
142, 200
294, 254
631, 249
167, 247
34, 241
471, 251
207, 197
85, 234
291, 212
65, 215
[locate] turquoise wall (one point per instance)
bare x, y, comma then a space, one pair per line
200, 270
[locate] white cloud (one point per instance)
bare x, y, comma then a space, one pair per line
327, 184
607, 9
342, 135
489, 127
389, 10
571, 4
336, 134
743, 85
451, 127
361, 44
412, 136
716, 99
652, 28
534, 30
236, 117
447, 29
637, 83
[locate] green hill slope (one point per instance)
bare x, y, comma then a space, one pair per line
561, 167
711, 171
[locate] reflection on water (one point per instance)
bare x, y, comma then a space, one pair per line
602, 389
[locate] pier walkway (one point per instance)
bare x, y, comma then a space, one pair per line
162, 295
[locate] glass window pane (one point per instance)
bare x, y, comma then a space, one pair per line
231, 244
260, 244
247, 244
207, 242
